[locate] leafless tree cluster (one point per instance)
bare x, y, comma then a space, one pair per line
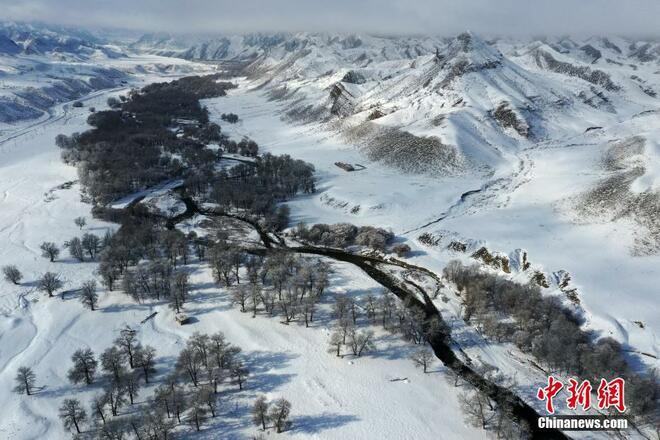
188, 395
135, 144
343, 235
543, 326
278, 285
86, 247
384, 310
481, 412
277, 413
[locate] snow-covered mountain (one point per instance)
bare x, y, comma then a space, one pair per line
42, 66
455, 106
541, 152
479, 100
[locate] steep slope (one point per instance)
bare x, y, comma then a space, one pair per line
464, 104
40, 67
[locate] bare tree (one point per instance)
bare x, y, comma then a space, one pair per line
370, 308
115, 395
340, 307
201, 344
156, 423
216, 376
361, 341
109, 274
255, 298
260, 412
72, 414
88, 295
91, 244
387, 307
80, 222
114, 429
422, 358
49, 250
12, 274
240, 373
178, 402
162, 399
76, 249
345, 327
49, 283
112, 362
190, 362
206, 396
240, 296
138, 424
196, 414
308, 307
269, 299
97, 406
279, 413
477, 408
131, 383
217, 348
229, 357
288, 304
336, 341
84, 366
145, 358
128, 344
25, 380
180, 290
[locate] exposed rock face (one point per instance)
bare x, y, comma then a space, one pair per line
354, 77
493, 260
645, 52
594, 76
341, 99
509, 119
592, 52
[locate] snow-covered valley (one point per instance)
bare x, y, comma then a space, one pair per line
557, 176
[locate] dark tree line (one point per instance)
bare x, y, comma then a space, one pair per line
132, 145
541, 325
257, 188
343, 235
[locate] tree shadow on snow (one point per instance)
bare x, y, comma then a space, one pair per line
264, 361
322, 422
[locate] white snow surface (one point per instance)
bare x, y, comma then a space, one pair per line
331, 397
513, 195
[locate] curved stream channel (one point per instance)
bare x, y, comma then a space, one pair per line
445, 214
440, 341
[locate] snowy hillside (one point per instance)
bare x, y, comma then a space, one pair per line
538, 160
545, 145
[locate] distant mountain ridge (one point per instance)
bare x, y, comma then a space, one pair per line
485, 98
41, 66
